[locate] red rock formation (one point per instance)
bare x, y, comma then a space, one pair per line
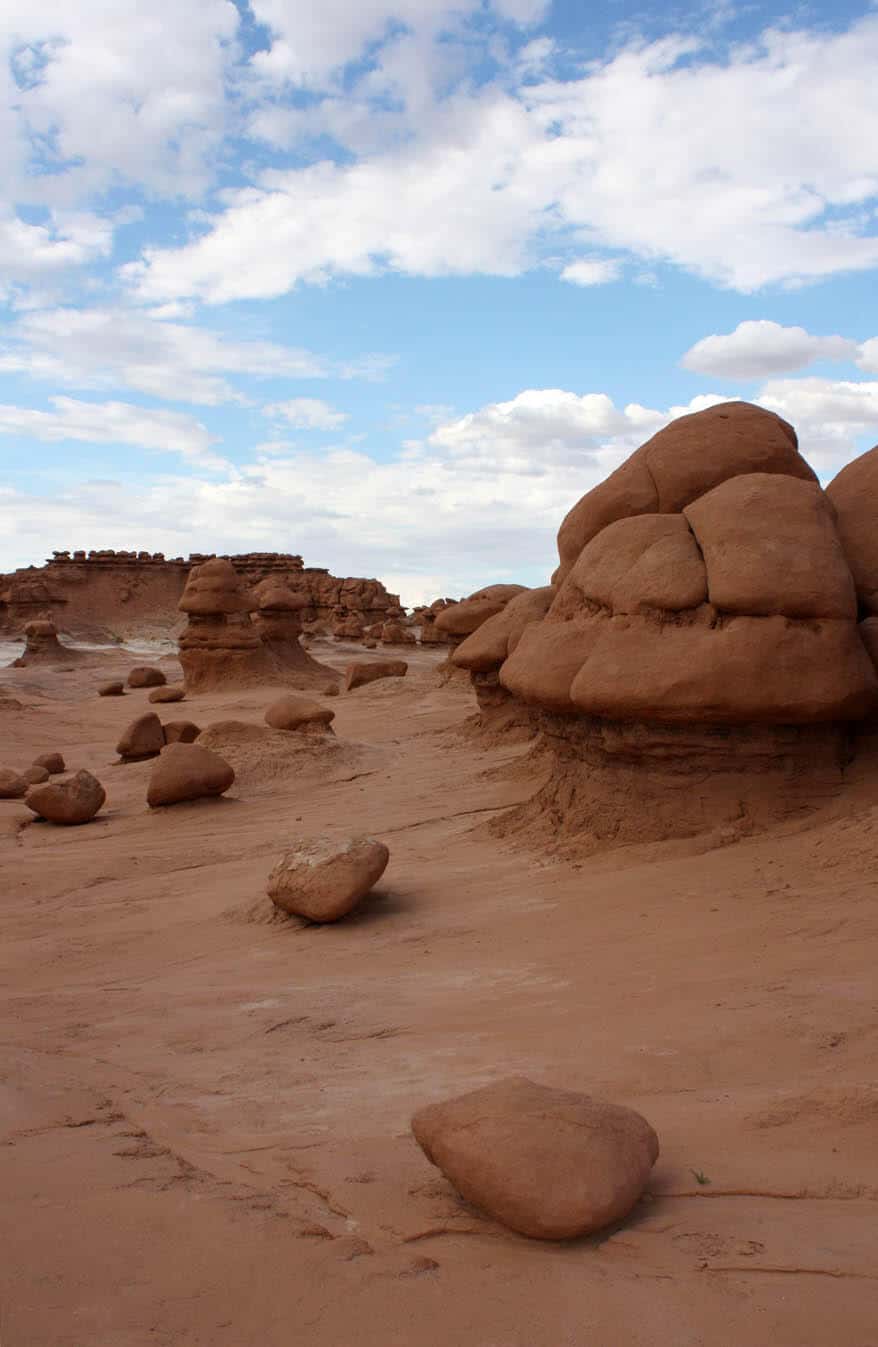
43, 646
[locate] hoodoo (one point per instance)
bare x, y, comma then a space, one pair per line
220, 647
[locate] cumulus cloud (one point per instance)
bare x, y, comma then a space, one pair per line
307, 414
592, 271
114, 423
759, 348
829, 415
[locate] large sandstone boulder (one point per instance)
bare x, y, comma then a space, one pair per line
12, 784
462, 619
298, 713
357, 675
187, 772
146, 676
69, 802
487, 648
854, 493
144, 738
323, 879
682, 462
552, 1164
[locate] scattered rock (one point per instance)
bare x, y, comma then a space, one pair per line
324, 879
181, 732
172, 693
35, 776
114, 689
187, 772
298, 713
548, 1163
53, 763
362, 672
144, 738
12, 785
73, 801
331, 690
146, 676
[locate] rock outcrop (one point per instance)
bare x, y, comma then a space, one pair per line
459, 620
278, 619
43, 647
552, 1164
323, 879
220, 647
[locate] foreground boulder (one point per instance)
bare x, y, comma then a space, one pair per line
172, 693
146, 676
323, 879
181, 732
12, 784
298, 713
53, 763
115, 688
548, 1163
367, 671
187, 772
69, 802
144, 738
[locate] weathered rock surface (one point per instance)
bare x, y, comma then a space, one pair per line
53, 763
187, 771
146, 676
854, 494
366, 671
12, 784
324, 879
144, 738
461, 619
172, 693
75, 800
220, 647
548, 1163
298, 713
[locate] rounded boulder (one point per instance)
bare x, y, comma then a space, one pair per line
551, 1164
35, 776
146, 676
114, 689
187, 772
181, 732
144, 738
171, 693
12, 784
69, 802
53, 763
323, 879
298, 713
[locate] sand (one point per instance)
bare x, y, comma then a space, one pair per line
205, 1106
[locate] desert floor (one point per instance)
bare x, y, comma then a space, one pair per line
204, 1131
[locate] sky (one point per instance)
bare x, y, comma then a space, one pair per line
392, 284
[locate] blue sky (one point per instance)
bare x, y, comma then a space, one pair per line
393, 284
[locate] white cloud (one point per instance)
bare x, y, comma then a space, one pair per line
114, 423
592, 271
307, 414
759, 348
829, 416
867, 356
40, 254
660, 152
126, 348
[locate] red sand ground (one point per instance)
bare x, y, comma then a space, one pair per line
205, 1108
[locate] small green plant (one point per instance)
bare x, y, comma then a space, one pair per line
700, 1176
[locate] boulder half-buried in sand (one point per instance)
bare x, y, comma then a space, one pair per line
145, 676
367, 671
69, 802
324, 879
187, 772
298, 713
144, 738
171, 693
548, 1163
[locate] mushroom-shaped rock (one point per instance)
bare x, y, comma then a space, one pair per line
53, 763
12, 784
144, 738
35, 776
181, 732
548, 1163
74, 800
146, 676
324, 879
215, 588
854, 493
187, 772
115, 688
682, 462
171, 693
220, 647
298, 713
461, 619
486, 649
367, 671
43, 647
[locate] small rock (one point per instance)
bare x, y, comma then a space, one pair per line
298, 713
144, 738
172, 693
331, 690
367, 671
53, 763
146, 676
181, 732
370, 645
548, 1163
35, 776
187, 772
324, 879
73, 801
12, 785
114, 689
